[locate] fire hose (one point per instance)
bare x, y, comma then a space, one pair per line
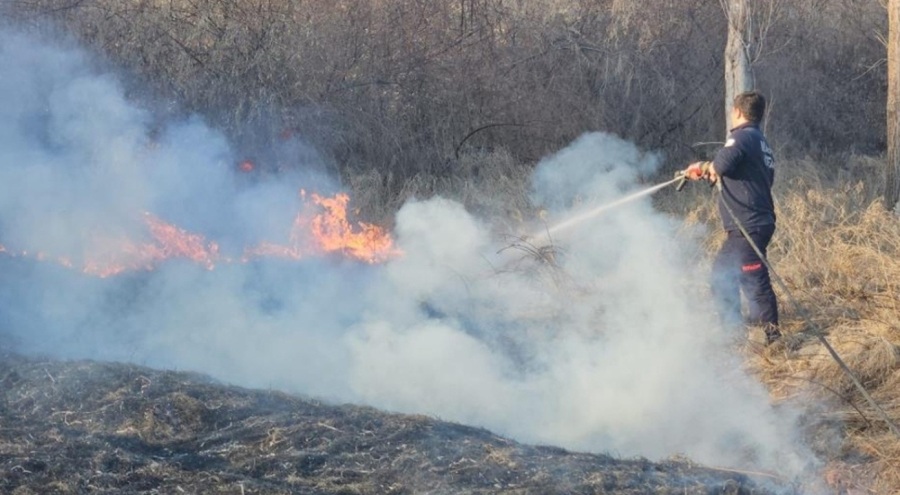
681, 178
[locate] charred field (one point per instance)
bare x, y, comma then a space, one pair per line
92, 427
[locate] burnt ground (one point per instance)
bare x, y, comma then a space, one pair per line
89, 427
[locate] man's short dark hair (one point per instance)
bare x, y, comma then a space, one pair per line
752, 105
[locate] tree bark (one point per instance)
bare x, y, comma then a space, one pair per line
892, 166
738, 73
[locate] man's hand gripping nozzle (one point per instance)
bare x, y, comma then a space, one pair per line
696, 171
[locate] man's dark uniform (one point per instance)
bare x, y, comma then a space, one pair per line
746, 169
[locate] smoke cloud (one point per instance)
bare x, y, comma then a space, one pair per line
601, 347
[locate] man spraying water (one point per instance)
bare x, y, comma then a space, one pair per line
745, 170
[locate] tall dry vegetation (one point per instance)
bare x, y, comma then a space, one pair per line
838, 250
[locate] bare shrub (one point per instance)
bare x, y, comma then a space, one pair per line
406, 87
411, 85
491, 185
825, 78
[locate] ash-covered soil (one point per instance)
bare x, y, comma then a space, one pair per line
88, 427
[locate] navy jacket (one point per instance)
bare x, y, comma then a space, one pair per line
746, 167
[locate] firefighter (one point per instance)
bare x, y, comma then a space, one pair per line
745, 166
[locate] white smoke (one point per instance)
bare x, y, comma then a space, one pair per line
609, 348
619, 354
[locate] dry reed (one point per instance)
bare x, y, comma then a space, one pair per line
838, 250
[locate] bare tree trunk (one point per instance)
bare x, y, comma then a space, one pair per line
738, 73
892, 167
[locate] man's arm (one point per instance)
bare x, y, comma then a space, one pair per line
726, 160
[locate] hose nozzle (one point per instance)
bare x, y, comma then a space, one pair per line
682, 180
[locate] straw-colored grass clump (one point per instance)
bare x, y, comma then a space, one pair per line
837, 249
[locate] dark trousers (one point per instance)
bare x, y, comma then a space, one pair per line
737, 267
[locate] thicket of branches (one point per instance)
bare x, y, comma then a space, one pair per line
408, 86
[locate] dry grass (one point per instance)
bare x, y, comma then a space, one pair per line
838, 250
491, 185
87, 427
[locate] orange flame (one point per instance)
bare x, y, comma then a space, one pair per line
169, 242
326, 231
334, 233
174, 242
329, 231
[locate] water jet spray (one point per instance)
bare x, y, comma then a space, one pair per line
596, 211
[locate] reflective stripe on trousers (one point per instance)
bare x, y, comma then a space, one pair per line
737, 268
